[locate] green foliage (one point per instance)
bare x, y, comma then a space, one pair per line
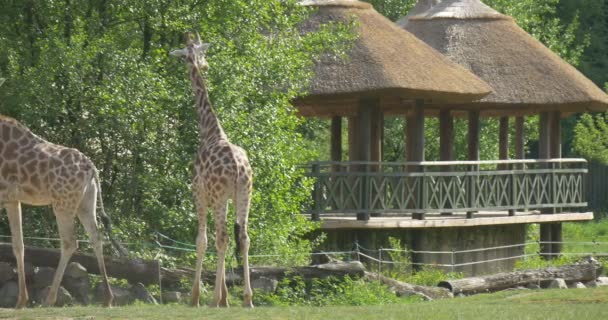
96, 76
393, 9
400, 267
294, 291
591, 137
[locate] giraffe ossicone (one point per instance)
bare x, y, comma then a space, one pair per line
222, 172
36, 172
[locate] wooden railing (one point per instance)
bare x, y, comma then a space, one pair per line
382, 189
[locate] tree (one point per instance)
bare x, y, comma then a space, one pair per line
96, 76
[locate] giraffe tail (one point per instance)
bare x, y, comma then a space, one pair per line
107, 222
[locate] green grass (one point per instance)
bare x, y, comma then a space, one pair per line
526, 304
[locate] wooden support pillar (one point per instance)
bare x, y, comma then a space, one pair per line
446, 141
353, 144
336, 139
364, 140
503, 147
519, 138
415, 146
473, 153
377, 132
503, 139
544, 152
556, 153
446, 136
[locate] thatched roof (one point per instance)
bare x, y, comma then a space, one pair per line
385, 62
420, 7
525, 75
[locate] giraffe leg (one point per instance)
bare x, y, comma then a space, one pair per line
13, 210
65, 223
220, 296
242, 212
88, 218
201, 247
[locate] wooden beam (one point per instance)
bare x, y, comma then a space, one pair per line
415, 133
556, 152
336, 139
456, 222
473, 145
544, 132
377, 128
503, 139
353, 144
415, 141
519, 138
446, 135
544, 152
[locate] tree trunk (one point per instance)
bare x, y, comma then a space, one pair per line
586, 271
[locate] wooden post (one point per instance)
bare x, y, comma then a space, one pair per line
415, 145
336, 139
519, 138
366, 110
446, 135
353, 143
377, 128
503, 147
544, 152
446, 141
556, 153
473, 153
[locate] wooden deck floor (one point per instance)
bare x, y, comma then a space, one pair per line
455, 220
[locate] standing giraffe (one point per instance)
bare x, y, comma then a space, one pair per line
222, 172
39, 173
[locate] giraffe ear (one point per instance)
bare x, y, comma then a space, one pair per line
178, 53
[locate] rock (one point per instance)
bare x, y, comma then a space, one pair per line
79, 288
140, 293
591, 284
557, 284
122, 296
64, 298
265, 284
602, 281
6, 273
172, 296
76, 270
579, 285
9, 294
76, 281
43, 277
533, 286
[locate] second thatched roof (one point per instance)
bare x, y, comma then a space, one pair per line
385, 62
524, 74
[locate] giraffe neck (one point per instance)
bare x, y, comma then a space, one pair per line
209, 126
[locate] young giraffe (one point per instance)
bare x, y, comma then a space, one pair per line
222, 172
39, 173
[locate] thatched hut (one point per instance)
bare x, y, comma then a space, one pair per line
386, 71
527, 78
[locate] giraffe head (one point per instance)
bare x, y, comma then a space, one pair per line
194, 52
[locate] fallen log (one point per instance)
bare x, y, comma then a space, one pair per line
148, 271
137, 270
584, 271
333, 269
407, 289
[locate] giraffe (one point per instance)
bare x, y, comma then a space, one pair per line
222, 172
36, 172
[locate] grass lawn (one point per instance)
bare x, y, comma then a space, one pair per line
526, 304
